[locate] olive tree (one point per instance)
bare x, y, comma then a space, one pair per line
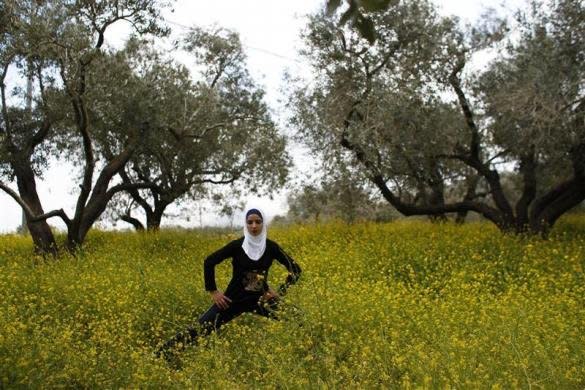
381, 97
209, 128
405, 110
57, 45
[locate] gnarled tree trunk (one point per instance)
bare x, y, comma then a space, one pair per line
154, 218
40, 231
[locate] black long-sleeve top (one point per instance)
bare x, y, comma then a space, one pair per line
249, 276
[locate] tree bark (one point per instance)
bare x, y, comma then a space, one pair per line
437, 195
43, 238
153, 214
528, 172
470, 194
154, 218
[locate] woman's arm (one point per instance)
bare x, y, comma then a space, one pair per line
294, 270
212, 260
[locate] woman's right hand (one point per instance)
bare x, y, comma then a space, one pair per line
221, 300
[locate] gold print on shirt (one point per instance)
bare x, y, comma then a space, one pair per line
253, 281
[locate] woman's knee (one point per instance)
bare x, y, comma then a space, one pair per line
210, 320
209, 316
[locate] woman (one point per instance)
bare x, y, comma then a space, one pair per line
248, 290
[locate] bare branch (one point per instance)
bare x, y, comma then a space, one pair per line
141, 175
180, 135
391, 52
498, 155
221, 68
135, 194
128, 187
7, 126
467, 113
114, 166
223, 181
577, 102
55, 213
410, 209
474, 159
166, 168
559, 200
42, 87
39, 136
133, 221
30, 215
82, 126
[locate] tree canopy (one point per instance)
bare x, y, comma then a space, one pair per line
132, 120
55, 46
435, 139
209, 128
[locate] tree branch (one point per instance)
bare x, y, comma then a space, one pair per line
100, 195
127, 187
565, 194
141, 175
30, 215
577, 102
221, 69
570, 195
222, 181
7, 127
101, 30
467, 113
394, 48
39, 136
42, 85
113, 167
133, 221
473, 159
528, 172
134, 192
166, 168
82, 126
410, 209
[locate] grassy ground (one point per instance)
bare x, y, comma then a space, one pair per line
407, 304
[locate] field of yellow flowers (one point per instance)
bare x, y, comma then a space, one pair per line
406, 304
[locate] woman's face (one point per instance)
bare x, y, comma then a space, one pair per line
254, 224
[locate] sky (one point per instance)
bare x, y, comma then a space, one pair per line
270, 32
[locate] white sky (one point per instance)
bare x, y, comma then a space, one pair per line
269, 30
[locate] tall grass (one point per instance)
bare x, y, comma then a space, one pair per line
406, 304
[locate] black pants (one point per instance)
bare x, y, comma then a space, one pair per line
215, 317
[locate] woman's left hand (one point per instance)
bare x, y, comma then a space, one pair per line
270, 294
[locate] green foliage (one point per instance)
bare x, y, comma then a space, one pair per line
206, 127
422, 127
387, 96
360, 20
537, 89
56, 47
392, 305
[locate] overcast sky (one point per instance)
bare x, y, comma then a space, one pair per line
269, 30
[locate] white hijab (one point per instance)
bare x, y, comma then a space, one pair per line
254, 246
